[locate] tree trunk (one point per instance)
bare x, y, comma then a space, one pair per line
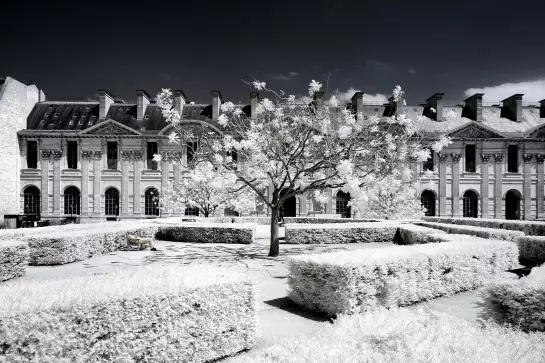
275, 243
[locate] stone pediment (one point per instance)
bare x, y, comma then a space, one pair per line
475, 131
110, 127
537, 132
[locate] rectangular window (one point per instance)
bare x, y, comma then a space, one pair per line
470, 158
112, 155
152, 150
72, 154
428, 164
512, 159
192, 147
32, 154
234, 155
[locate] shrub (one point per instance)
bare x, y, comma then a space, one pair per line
483, 232
256, 220
207, 233
340, 233
531, 250
13, 259
520, 303
403, 335
324, 220
410, 234
144, 314
530, 228
70, 246
354, 281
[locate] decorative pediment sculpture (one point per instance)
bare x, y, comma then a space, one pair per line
537, 132
475, 131
110, 127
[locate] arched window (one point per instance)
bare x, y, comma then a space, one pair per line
341, 204
31, 200
512, 204
72, 201
111, 202
428, 201
471, 204
151, 202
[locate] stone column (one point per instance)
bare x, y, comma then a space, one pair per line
57, 155
136, 184
97, 188
456, 184
498, 192
527, 186
484, 185
165, 157
540, 185
85, 158
125, 156
46, 154
443, 184
413, 165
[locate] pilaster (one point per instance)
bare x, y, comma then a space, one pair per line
456, 184
498, 192
443, 184
46, 155
85, 159
57, 155
97, 176
540, 185
125, 158
485, 158
527, 186
137, 155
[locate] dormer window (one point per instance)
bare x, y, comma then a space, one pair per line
75, 115
46, 114
146, 117
80, 122
71, 123
42, 123
84, 114
56, 114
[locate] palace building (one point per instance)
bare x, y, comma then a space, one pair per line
92, 161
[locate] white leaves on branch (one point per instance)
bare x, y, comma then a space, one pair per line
259, 85
314, 87
173, 138
441, 144
157, 158
223, 120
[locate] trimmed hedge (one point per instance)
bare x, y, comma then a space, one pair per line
207, 233
144, 314
318, 220
530, 228
531, 250
520, 303
71, 246
339, 233
13, 259
403, 335
355, 281
257, 220
410, 234
483, 232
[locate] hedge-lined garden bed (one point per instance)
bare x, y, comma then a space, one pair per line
207, 233
532, 250
340, 233
318, 220
483, 232
130, 314
13, 259
520, 303
410, 234
530, 228
355, 281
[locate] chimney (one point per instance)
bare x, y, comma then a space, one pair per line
318, 99
142, 101
357, 103
254, 101
512, 108
542, 109
105, 101
179, 100
216, 103
473, 107
396, 107
434, 102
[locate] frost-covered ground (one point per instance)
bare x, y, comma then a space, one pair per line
277, 315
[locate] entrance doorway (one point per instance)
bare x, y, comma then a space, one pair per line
512, 204
471, 204
290, 205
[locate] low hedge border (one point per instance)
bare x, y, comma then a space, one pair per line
318, 220
131, 314
13, 259
520, 303
410, 234
531, 250
354, 281
207, 233
339, 233
483, 232
530, 228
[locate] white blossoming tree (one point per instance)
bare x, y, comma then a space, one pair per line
207, 188
296, 147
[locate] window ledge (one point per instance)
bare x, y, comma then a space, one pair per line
513, 175
31, 171
151, 171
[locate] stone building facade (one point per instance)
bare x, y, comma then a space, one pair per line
93, 160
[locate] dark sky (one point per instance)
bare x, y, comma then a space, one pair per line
72, 48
